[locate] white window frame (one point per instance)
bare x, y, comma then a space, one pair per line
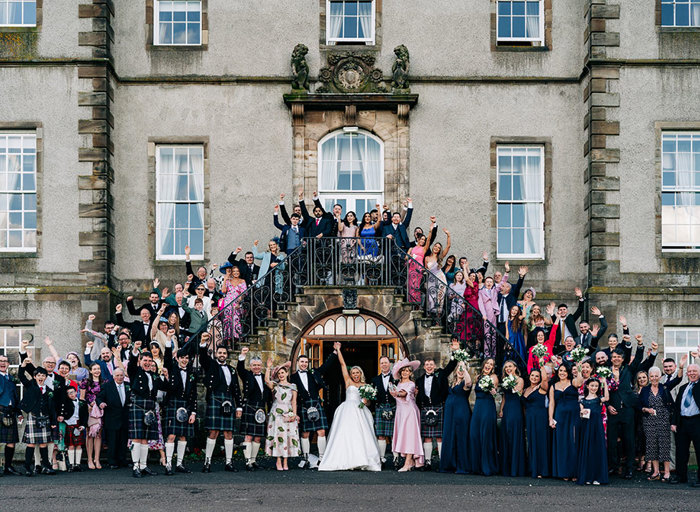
675, 3
365, 40
176, 257
5, 225
539, 39
156, 23
348, 195
524, 256
676, 352
694, 244
4, 346
5, 4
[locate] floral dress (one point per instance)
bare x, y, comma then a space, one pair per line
282, 434
232, 313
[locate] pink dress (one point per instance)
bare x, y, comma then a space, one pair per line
407, 437
415, 274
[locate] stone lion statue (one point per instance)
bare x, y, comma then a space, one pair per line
300, 69
399, 71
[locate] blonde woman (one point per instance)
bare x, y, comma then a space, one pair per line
351, 443
454, 457
483, 438
282, 423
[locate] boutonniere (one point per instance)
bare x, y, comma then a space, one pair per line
49, 394
192, 378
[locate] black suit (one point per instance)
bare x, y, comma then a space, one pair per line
36, 402
588, 340
687, 431
139, 330
175, 389
67, 409
116, 421
315, 380
152, 308
383, 395
329, 216
399, 234
248, 274
433, 237
321, 226
625, 400
251, 390
439, 388
215, 380
570, 322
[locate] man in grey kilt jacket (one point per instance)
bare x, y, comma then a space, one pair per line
385, 407
256, 397
313, 418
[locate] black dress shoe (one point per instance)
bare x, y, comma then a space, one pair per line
77, 468
48, 470
206, 468
628, 475
37, 470
230, 468
148, 471
255, 466
136, 473
29, 472
169, 471
181, 469
9, 470
249, 467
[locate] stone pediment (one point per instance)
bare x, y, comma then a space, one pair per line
351, 72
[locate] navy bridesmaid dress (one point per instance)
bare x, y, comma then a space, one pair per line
539, 438
483, 437
512, 436
566, 414
454, 457
592, 452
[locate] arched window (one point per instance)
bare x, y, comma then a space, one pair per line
351, 171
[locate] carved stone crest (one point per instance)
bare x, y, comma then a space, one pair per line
351, 72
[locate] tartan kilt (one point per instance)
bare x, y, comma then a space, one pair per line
8, 434
434, 430
35, 435
215, 419
73, 440
171, 425
312, 426
137, 411
382, 426
250, 427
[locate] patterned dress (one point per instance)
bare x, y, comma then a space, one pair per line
657, 429
282, 435
415, 274
232, 313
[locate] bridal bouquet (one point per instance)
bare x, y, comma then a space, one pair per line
367, 392
603, 372
460, 355
509, 383
540, 350
486, 383
578, 353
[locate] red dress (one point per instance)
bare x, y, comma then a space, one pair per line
470, 327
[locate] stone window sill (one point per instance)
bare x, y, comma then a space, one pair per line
508, 48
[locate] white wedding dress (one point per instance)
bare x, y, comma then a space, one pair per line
351, 443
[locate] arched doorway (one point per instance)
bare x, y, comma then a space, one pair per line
364, 338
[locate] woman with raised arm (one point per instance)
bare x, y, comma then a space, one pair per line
488, 305
369, 249
450, 268
282, 422
347, 228
415, 264
89, 388
436, 285
471, 323
352, 443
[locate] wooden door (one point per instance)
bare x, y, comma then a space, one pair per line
313, 349
387, 348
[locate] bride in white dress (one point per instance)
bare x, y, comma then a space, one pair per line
351, 444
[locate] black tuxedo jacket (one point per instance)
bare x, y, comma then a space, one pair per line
153, 308
251, 390
316, 382
676, 418
383, 396
115, 415
34, 401
138, 379
215, 380
433, 237
590, 341
439, 389
400, 235
570, 322
67, 408
175, 389
625, 395
246, 274
137, 329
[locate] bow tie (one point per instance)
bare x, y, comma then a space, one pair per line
302, 371
429, 375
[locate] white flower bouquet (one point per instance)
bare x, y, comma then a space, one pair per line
603, 372
367, 392
460, 355
578, 353
509, 383
486, 383
540, 350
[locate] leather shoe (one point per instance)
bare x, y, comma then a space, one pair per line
181, 469
148, 471
48, 471
136, 473
230, 468
249, 467
77, 468
29, 472
628, 475
206, 468
255, 466
169, 471
9, 470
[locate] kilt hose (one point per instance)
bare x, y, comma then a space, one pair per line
431, 430
216, 419
137, 412
250, 427
382, 426
8, 435
34, 434
312, 426
172, 427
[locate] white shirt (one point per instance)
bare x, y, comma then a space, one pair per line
227, 374
259, 380
150, 381
122, 392
304, 377
385, 381
429, 384
76, 413
183, 376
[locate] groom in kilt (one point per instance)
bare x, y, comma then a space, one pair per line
385, 407
143, 424
223, 401
256, 396
9, 412
433, 388
181, 406
309, 383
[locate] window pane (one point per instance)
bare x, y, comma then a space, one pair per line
518, 26
181, 216
181, 240
15, 13
518, 8
518, 241
533, 8
504, 26
504, 188
166, 33
29, 13
504, 215
504, 245
667, 15
350, 9
196, 216
350, 27
682, 15
518, 215
179, 30
504, 7
197, 241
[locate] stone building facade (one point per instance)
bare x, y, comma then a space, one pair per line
592, 87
